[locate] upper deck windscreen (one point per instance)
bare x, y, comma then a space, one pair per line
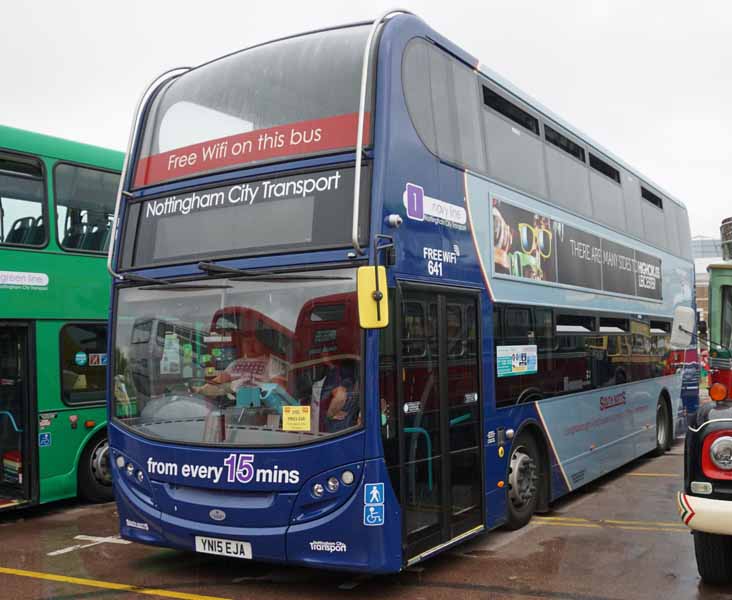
294, 97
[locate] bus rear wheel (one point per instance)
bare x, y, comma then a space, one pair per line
713, 557
524, 478
663, 427
95, 475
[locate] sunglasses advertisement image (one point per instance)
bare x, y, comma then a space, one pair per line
529, 245
522, 243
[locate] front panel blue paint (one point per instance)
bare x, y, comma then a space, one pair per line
172, 510
399, 157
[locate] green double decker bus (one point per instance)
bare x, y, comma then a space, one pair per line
56, 207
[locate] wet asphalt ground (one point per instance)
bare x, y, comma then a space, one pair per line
619, 538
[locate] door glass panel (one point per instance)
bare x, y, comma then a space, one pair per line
463, 406
421, 421
388, 398
13, 413
441, 418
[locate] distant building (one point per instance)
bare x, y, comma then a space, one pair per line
705, 251
706, 247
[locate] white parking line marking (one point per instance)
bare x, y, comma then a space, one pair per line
114, 539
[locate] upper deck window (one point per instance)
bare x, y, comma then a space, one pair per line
564, 143
84, 207
651, 197
606, 169
22, 198
294, 97
510, 110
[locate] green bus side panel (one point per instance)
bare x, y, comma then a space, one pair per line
77, 288
58, 461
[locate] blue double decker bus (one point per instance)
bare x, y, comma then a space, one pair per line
370, 300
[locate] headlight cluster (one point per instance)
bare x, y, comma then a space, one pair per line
716, 455
128, 468
332, 484
721, 453
326, 492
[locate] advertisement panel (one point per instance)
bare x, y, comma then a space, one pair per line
529, 245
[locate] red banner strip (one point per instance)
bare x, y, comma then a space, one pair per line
305, 137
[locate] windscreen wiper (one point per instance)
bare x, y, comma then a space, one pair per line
242, 274
165, 284
213, 269
288, 277
187, 287
143, 279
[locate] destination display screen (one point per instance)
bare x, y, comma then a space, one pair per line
307, 211
529, 245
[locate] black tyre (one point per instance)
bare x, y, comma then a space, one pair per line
95, 475
663, 427
523, 481
713, 557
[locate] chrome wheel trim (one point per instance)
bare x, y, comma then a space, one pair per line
99, 463
522, 478
661, 426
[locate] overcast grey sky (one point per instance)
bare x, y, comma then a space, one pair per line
649, 80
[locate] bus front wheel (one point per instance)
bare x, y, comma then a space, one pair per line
524, 479
713, 557
95, 476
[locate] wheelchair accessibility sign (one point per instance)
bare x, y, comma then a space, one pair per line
373, 500
373, 515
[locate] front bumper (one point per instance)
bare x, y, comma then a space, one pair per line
339, 540
705, 514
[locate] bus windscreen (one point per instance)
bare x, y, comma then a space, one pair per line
294, 97
260, 363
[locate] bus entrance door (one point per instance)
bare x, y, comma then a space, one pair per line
440, 402
14, 415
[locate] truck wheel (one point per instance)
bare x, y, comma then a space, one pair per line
713, 557
663, 428
524, 473
95, 475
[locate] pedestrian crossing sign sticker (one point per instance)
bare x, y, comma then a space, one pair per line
373, 493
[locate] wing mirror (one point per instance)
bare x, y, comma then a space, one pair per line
683, 327
373, 303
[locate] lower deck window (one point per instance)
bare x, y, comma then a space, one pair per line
580, 352
83, 363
